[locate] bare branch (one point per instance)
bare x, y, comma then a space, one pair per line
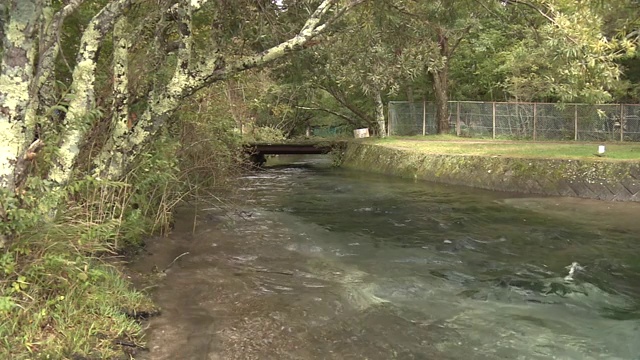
339, 96
329, 111
50, 46
519, 2
24, 161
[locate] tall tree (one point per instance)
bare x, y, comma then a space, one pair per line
435, 31
194, 44
543, 51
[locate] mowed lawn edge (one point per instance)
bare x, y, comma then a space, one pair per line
614, 151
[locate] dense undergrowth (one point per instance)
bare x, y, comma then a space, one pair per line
64, 293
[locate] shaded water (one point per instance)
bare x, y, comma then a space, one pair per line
324, 263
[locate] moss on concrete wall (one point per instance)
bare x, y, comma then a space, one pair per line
604, 180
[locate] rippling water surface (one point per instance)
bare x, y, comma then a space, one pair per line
323, 263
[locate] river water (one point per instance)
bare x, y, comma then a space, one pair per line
324, 263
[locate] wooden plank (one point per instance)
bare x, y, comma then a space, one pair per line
284, 149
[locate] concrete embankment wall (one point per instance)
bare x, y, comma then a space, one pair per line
603, 180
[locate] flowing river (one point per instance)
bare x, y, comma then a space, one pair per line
325, 263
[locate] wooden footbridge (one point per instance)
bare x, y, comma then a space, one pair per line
257, 151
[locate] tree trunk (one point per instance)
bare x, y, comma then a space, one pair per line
189, 78
16, 75
440, 87
42, 93
440, 77
380, 120
121, 46
120, 121
82, 87
440, 74
159, 108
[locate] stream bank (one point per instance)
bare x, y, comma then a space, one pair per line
601, 180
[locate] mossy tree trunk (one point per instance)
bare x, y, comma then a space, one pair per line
42, 93
380, 119
120, 121
440, 77
20, 26
78, 119
188, 77
16, 75
31, 30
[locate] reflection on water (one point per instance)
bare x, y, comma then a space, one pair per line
329, 264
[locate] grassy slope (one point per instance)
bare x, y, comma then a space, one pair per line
58, 301
464, 146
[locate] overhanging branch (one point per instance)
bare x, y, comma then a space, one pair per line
329, 111
218, 69
50, 45
185, 82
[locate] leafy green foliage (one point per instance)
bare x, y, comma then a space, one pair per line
209, 151
28, 209
569, 59
57, 298
57, 303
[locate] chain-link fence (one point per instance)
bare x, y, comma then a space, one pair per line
533, 121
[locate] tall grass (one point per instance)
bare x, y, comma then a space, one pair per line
61, 294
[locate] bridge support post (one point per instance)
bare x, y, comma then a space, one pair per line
258, 159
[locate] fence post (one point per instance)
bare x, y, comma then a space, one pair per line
535, 120
493, 120
458, 118
424, 117
575, 122
621, 122
389, 122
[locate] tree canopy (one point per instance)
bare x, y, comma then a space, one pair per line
543, 50
88, 85
125, 66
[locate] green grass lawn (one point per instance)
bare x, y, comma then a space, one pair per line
446, 144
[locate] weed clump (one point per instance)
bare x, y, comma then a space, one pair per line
63, 293
61, 296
